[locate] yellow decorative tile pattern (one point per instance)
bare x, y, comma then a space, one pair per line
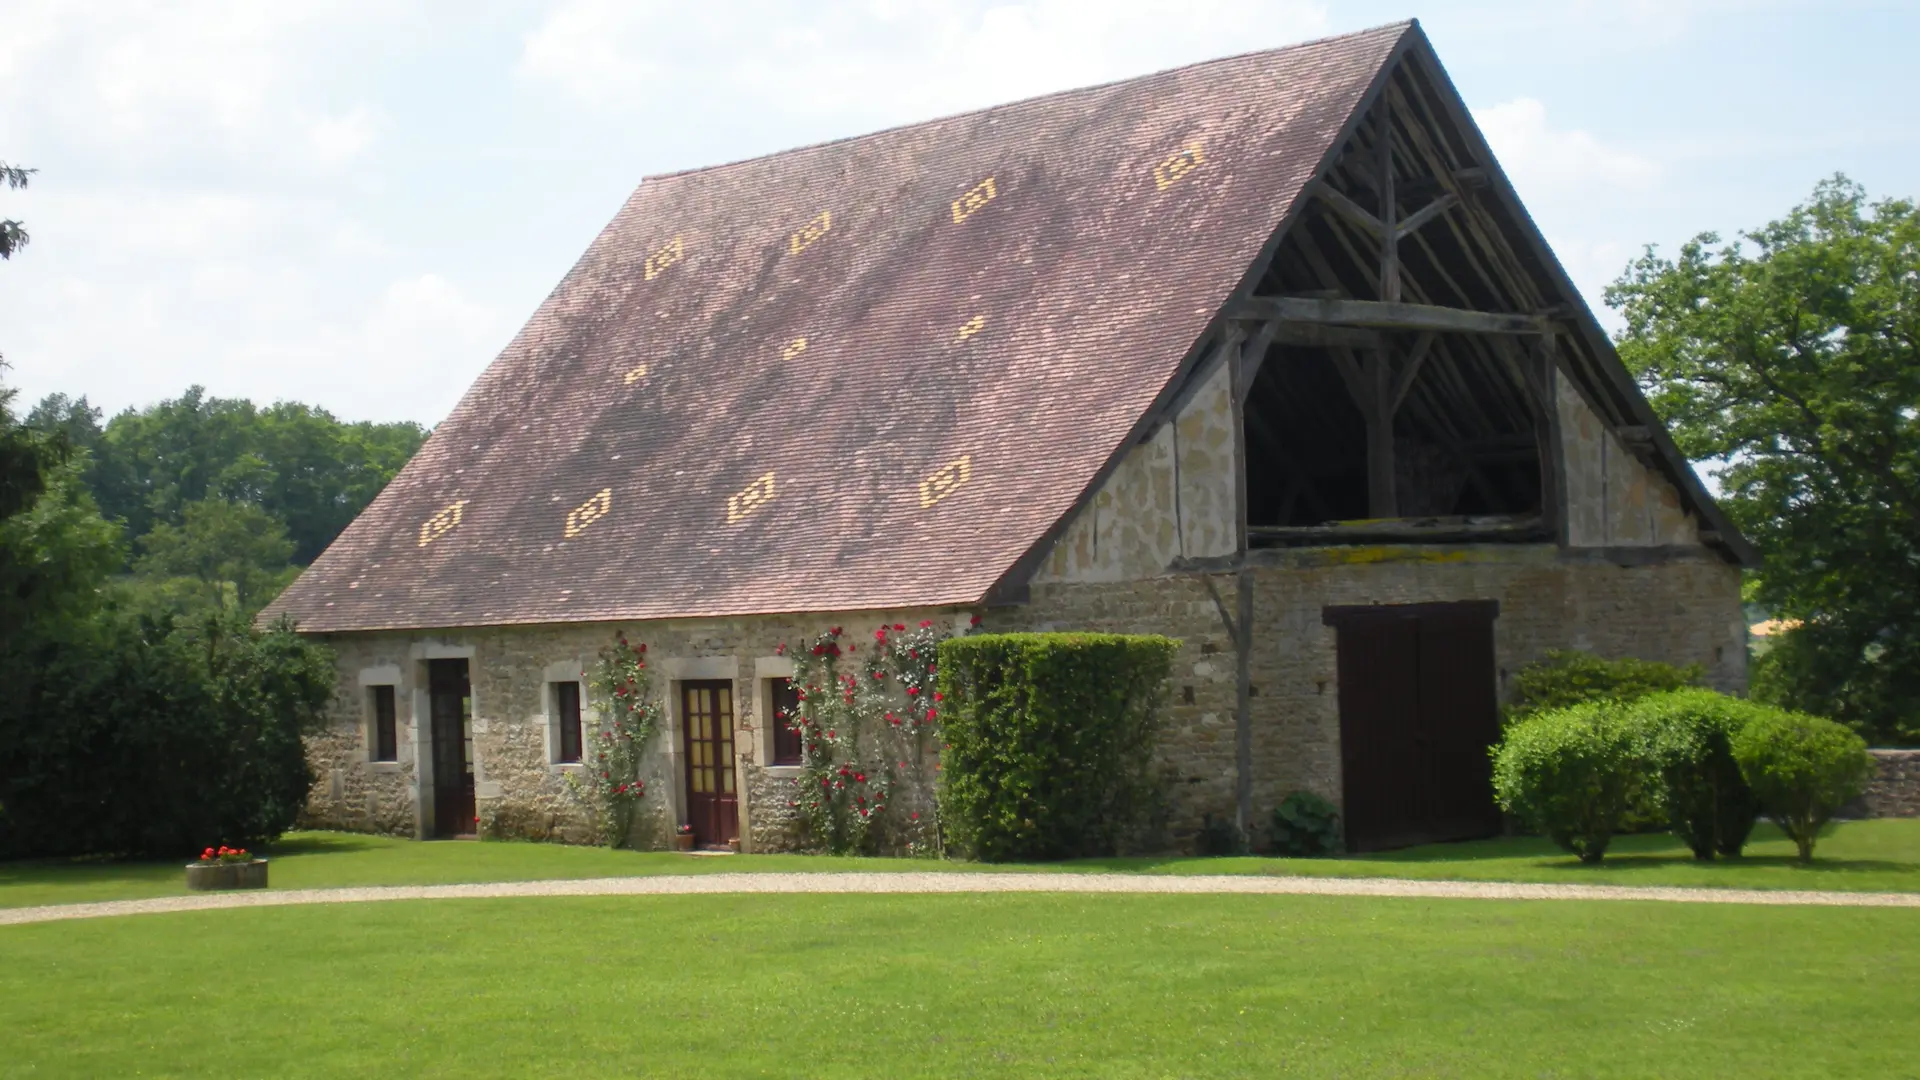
751, 498
672, 252
971, 327
794, 348
595, 508
636, 374
976, 197
810, 232
946, 479
1178, 165
441, 523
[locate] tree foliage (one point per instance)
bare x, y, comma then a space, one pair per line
1790, 359
13, 235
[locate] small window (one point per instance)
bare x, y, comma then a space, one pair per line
566, 711
385, 742
785, 701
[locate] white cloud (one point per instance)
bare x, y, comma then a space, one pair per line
1535, 154
145, 79
883, 61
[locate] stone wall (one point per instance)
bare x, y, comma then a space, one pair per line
1613, 500
1682, 611
519, 791
1171, 496
1894, 791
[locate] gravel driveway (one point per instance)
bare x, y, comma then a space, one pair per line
667, 885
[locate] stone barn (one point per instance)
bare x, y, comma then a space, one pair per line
1262, 353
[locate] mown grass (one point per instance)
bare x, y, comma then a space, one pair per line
1862, 855
1010, 985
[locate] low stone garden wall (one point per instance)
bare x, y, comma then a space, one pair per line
1895, 792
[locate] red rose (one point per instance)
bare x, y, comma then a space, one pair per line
924, 623
899, 626
860, 777
780, 649
938, 696
880, 635
931, 714
913, 691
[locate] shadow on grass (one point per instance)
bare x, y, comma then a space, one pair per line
327, 844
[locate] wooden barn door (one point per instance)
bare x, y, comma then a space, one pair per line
1417, 714
450, 716
713, 803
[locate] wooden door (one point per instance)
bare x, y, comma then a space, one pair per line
713, 803
450, 714
1417, 714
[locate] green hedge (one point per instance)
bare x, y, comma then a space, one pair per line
1049, 741
1570, 774
1569, 677
1689, 750
1802, 768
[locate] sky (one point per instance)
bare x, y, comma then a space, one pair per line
356, 204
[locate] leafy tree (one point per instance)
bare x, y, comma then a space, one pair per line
1791, 359
294, 461
236, 551
13, 236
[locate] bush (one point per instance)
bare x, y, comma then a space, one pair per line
1802, 768
1049, 741
1305, 824
1220, 836
1569, 677
1689, 749
126, 737
1569, 774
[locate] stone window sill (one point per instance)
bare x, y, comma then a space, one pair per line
783, 772
383, 767
562, 768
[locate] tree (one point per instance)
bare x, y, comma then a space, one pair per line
236, 551
13, 236
1790, 360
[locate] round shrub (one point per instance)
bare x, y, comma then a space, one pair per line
1305, 824
1689, 748
1569, 677
1802, 768
1569, 773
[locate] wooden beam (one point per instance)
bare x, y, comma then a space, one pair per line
1389, 227
1253, 353
1409, 531
1382, 498
1425, 214
1387, 316
1347, 208
1404, 381
1318, 336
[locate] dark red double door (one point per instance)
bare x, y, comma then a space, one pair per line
713, 799
1418, 711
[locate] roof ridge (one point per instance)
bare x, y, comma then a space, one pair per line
1402, 26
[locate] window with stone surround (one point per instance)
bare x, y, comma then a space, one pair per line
566, 720
783, 704
383, 741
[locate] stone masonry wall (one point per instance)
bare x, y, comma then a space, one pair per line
1682, 611
519, 791
1894, 791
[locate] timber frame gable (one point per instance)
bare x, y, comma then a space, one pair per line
1384, 267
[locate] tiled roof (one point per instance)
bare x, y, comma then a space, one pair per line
871, 373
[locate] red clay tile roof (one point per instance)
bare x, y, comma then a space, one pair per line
867, 374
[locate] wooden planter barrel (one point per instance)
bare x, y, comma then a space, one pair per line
683, 841
243, 875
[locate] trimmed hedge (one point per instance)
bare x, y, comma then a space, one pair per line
1570, 677
1049, 741
1802, 768
1689, 748
1570, 774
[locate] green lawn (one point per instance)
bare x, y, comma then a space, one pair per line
1864, 855
1013, 985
